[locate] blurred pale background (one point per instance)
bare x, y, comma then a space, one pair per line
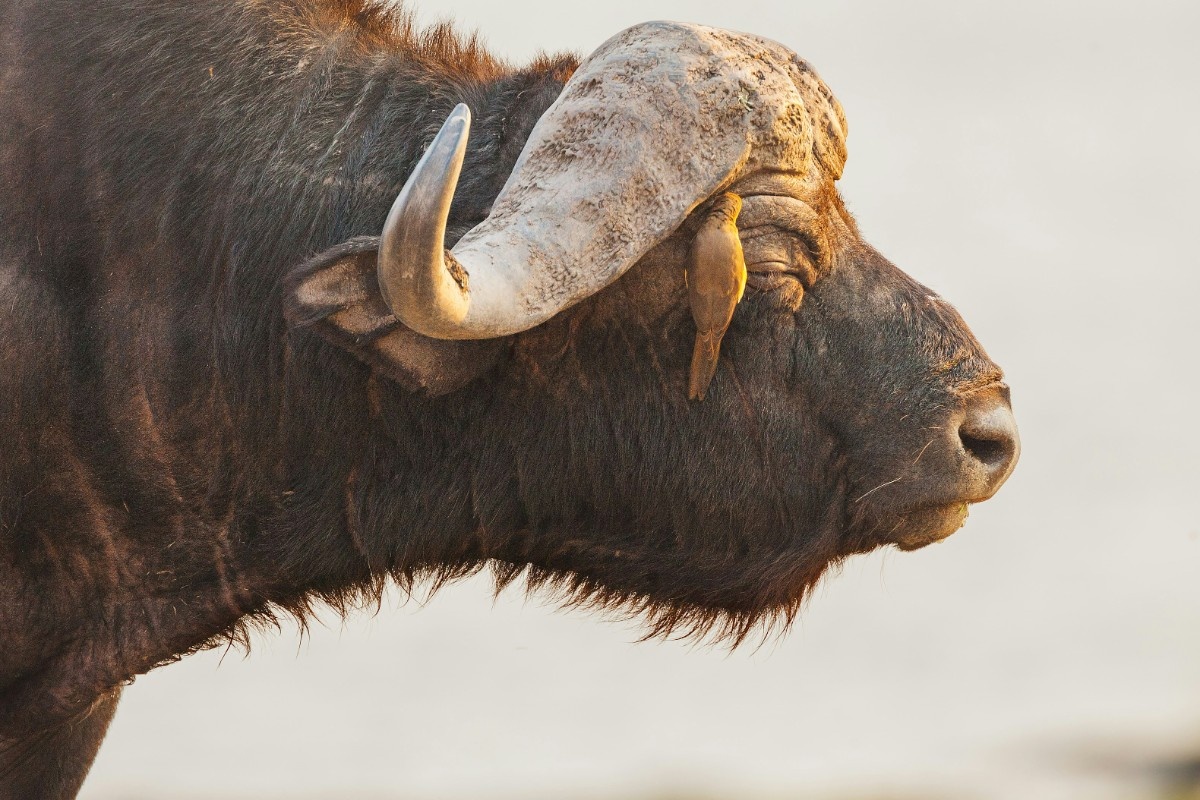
1036, 163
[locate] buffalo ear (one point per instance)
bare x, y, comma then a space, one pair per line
336, 294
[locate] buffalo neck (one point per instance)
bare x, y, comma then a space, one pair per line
181, 464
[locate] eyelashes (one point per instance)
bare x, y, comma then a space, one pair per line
775, 257
770, 280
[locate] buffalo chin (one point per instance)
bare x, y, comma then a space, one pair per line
928, 525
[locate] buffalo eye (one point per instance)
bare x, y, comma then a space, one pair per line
778, 258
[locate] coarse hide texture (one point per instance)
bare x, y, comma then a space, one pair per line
210, 418
176, 465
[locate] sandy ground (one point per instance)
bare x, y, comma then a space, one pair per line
1038, 166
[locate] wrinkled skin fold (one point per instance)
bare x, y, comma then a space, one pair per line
217, 409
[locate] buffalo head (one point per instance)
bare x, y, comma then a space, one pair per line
851, 407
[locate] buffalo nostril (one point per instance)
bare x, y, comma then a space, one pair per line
988, 434
989, 451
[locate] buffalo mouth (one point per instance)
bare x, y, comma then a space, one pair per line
929, 524
968, 464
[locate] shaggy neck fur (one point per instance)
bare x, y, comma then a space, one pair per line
171, 470
181, 463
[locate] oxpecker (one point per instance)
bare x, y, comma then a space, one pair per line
716, 280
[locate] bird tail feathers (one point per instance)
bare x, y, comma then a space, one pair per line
704, 364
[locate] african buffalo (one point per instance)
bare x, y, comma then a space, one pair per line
233, 384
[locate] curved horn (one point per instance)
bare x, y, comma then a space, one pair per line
413, 275
657, 120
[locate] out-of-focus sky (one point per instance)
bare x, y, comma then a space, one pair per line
1035, 162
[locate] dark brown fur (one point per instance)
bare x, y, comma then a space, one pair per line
179, 464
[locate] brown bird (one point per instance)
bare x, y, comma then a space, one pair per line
716, 280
